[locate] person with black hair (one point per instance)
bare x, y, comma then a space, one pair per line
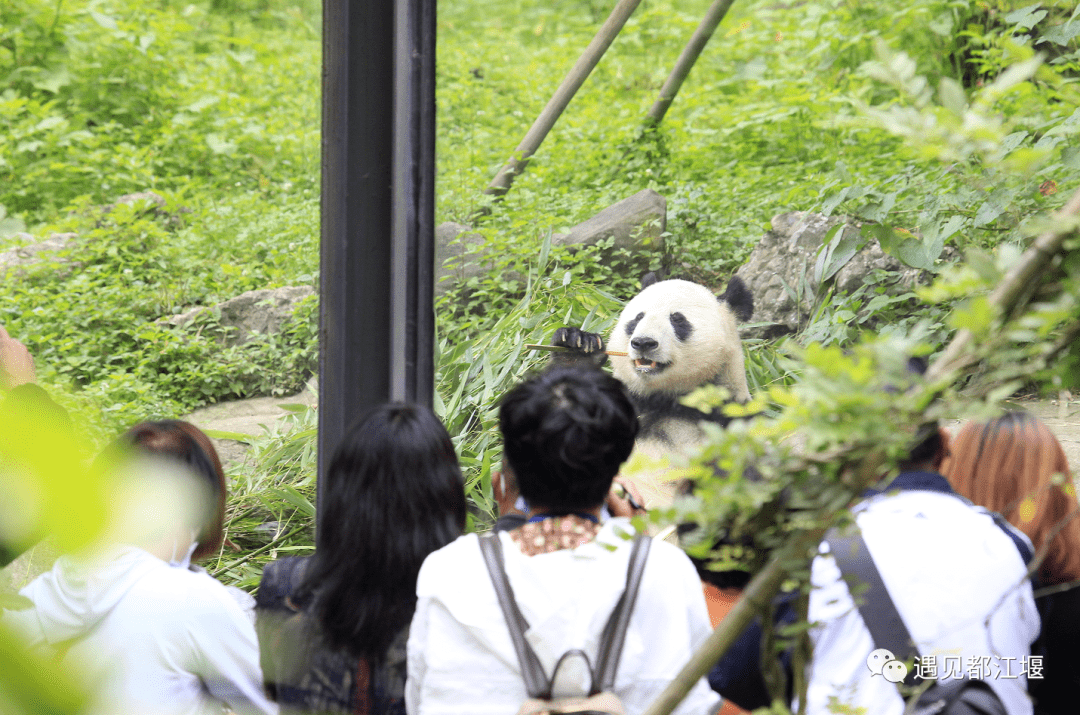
956, 574
153, 632
333, 626
566, 432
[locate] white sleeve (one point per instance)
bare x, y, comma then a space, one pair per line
416, 665
226, 656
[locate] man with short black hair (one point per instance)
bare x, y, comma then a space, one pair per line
566, 432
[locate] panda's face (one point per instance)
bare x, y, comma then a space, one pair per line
677, 337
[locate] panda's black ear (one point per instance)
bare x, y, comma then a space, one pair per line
739, 299
651, 277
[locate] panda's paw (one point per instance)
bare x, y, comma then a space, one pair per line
578, 339
583, 346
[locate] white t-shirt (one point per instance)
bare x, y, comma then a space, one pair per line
957, 581
461, 658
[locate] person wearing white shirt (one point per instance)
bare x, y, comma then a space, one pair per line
149, 632
957, 575
565, 433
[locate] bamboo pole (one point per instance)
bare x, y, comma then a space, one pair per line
757, 595
559, 101
686, 60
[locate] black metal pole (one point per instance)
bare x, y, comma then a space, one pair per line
377, 251
412, 322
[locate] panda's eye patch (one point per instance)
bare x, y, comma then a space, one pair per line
633, 323
682, 326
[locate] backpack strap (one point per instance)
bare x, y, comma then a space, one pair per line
612, 638
537, 684
875, 605
614, 634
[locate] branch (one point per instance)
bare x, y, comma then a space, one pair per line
1006, 297
256, 552
758, 594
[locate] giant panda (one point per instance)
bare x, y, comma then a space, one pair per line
678, 336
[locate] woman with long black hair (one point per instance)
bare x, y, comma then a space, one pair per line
333, 626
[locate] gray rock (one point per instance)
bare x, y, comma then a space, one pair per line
33, 253
157, 199
254, 417
636, 224
156, 208
780, 272
255, 312
459, 255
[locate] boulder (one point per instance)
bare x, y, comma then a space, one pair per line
156, 207
780, 272
636, 224
459, 255
34, 252
129, 199
261, 312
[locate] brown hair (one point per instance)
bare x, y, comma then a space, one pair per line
1007, 465
187, 443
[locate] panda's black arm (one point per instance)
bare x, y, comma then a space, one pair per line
655, 407
585, 349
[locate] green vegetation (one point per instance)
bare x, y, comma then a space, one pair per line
938, 124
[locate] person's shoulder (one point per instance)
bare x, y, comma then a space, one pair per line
671, 561
464, 544
447, 564
940, 506
184, 589
620, 533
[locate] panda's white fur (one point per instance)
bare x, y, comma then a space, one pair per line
711, 353
678, 336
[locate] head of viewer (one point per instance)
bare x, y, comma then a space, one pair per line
1011, 465
393, 494
565, 434
185, 443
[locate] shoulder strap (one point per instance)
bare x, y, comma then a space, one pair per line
536, 681
611, 642
875, 604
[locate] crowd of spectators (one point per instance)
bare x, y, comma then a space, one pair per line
975, 547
